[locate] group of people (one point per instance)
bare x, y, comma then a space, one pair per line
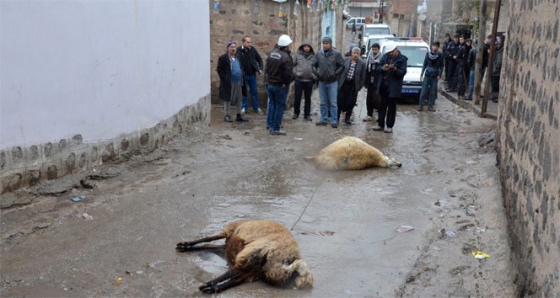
459, 57
338, 81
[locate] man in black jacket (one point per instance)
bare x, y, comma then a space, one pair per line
252, 65
278, 75
430, 75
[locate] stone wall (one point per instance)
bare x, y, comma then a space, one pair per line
238, 18
529, 143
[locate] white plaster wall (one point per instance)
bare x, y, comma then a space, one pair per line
99, 68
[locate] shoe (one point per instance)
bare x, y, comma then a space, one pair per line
268, 127
460, 97
307, 118
295, 116
321, 123
494, 100
334, 125
388, 130
431, 109
368, 119
468, 99
347, 121
420, 108
227, 118
277, 132
259, 111
243, 110
378, 128
240, 119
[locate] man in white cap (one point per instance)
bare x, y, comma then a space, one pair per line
278, 75
392, 68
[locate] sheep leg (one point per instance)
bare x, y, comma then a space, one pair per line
190, 245
225, 281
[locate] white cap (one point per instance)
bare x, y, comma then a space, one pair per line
390, 46
284, 41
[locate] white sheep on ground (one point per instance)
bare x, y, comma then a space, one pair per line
255, 250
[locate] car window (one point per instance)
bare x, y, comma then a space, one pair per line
415, 55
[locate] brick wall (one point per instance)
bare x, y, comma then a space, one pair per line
237, 18
529, 143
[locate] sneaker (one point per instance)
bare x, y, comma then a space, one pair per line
378, 128
243, 110
227, 118
431, 109
240, 119
368, 119
295, 116
420, 108
307, 118
277, 132
321, 123
347, 121
334, 125
259, 111
388, 130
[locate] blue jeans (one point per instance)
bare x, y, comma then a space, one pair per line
429, 84
471, 84
276, 106
328, 94
252, 84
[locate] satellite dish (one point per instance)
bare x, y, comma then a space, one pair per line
422, 17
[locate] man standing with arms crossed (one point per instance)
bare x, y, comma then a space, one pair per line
328, 66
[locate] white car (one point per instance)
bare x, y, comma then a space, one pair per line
360, 21
415, 49
371, 30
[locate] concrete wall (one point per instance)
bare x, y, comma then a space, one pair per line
237, 18
529, 143
86, 82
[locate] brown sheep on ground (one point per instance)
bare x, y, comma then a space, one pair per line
351, 153
255, 250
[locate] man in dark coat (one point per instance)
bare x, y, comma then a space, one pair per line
350, 82
452, 49
252, 65
392, 67
278, 75
496, 67
304, 79
372, 81
232, 81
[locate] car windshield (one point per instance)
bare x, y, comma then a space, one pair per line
415, 55
376, 31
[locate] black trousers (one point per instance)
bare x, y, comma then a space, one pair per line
451, 81
305, 88
495, 84
346, 99
387, 108
372, 99
461, 81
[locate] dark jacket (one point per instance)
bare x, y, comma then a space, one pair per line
251, 60
462, 55
303, 64
497, 60
471, 61
359, 74
445, 48
452, 49
372, 75
433, 65
224, 71
391, 81
279, 68
328, 65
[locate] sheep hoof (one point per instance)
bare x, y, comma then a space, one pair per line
184, 246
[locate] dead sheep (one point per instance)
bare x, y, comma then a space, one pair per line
351, 153
255, 250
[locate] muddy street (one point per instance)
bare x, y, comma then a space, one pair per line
120, 239
345, 222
